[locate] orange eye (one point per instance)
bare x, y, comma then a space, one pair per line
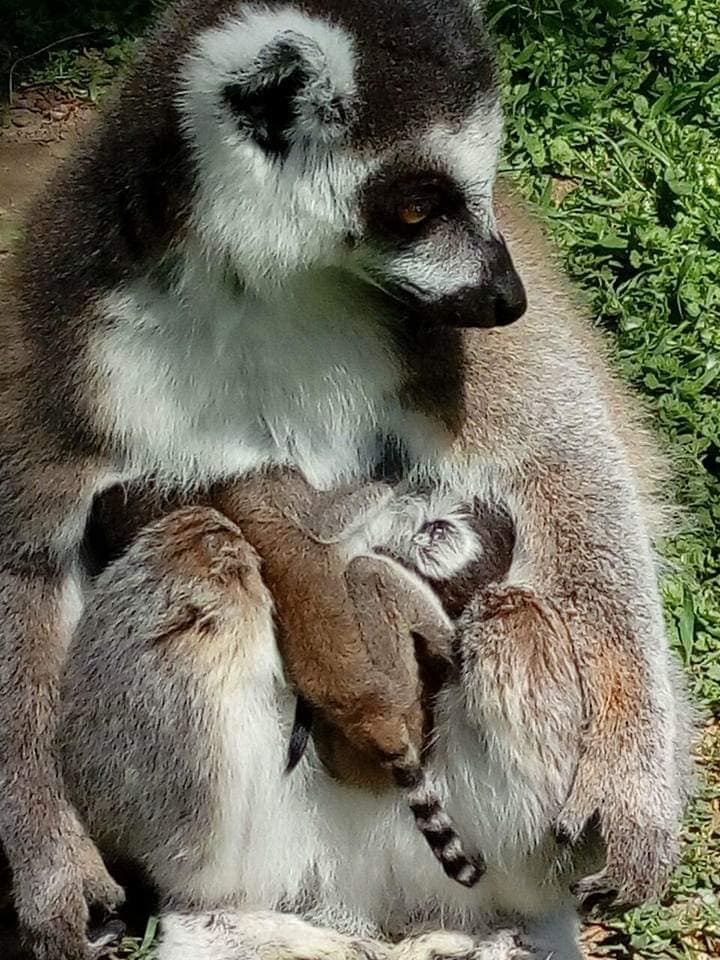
414, 213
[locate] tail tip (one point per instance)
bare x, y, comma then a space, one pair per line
469, 874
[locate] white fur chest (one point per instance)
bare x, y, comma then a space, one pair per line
202, 380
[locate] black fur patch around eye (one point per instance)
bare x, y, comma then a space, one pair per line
268, 112
396, 187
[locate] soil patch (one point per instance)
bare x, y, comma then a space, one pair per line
37, 133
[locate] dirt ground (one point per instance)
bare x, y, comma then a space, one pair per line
36, 133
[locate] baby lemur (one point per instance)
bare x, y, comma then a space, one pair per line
347, 626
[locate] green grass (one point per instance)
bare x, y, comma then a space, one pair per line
136, 949
613, 117
613, 120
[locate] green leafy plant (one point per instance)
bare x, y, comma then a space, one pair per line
613, 117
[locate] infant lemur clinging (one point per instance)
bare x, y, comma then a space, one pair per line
365, 628
349, 628
434, 536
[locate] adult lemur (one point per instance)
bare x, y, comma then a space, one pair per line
264, 254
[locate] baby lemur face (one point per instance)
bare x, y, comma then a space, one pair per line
442, 548
433, 535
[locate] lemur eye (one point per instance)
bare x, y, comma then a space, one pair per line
416, 212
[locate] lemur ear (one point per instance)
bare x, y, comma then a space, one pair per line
288, 94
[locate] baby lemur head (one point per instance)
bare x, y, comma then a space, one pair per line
456, 546
442, 546
357, 137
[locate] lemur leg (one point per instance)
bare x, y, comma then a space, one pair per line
57, 872
167, 774
387, 611
397, 592
227, 935
522, 693
519, 677
583, 551
555, 936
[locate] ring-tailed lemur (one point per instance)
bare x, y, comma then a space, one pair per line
232, 270
264, 253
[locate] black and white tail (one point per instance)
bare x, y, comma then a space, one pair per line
437, 827
424, 799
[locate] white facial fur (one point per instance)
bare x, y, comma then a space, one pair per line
265, 348
271, 218
441, 267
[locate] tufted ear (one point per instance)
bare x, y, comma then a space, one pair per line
288, 93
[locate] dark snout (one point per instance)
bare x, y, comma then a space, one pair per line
499, 299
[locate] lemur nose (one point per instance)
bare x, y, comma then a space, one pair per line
497, 299
509, 299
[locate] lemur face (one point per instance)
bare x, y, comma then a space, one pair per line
355, 135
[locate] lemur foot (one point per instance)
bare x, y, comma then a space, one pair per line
229, 935
641, 853
446, 945
438, 945
55, 893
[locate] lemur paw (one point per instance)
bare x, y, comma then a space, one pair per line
437, 945
55, 894
640, 856
102, 894
446, 945
640, 862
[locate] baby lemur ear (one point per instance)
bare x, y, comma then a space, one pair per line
290, 93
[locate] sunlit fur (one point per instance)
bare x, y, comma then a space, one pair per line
355, 861
186, 306
269, 218
262, 338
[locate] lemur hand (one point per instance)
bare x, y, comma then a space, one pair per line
639, 836
55, 891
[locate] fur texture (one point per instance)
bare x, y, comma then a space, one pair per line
565, 664
195, 788
348, 626
163, 324
207, 242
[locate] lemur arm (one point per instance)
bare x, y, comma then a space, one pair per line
44, 501
331, 516
583, 547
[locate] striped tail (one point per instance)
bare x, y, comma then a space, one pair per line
438, 829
